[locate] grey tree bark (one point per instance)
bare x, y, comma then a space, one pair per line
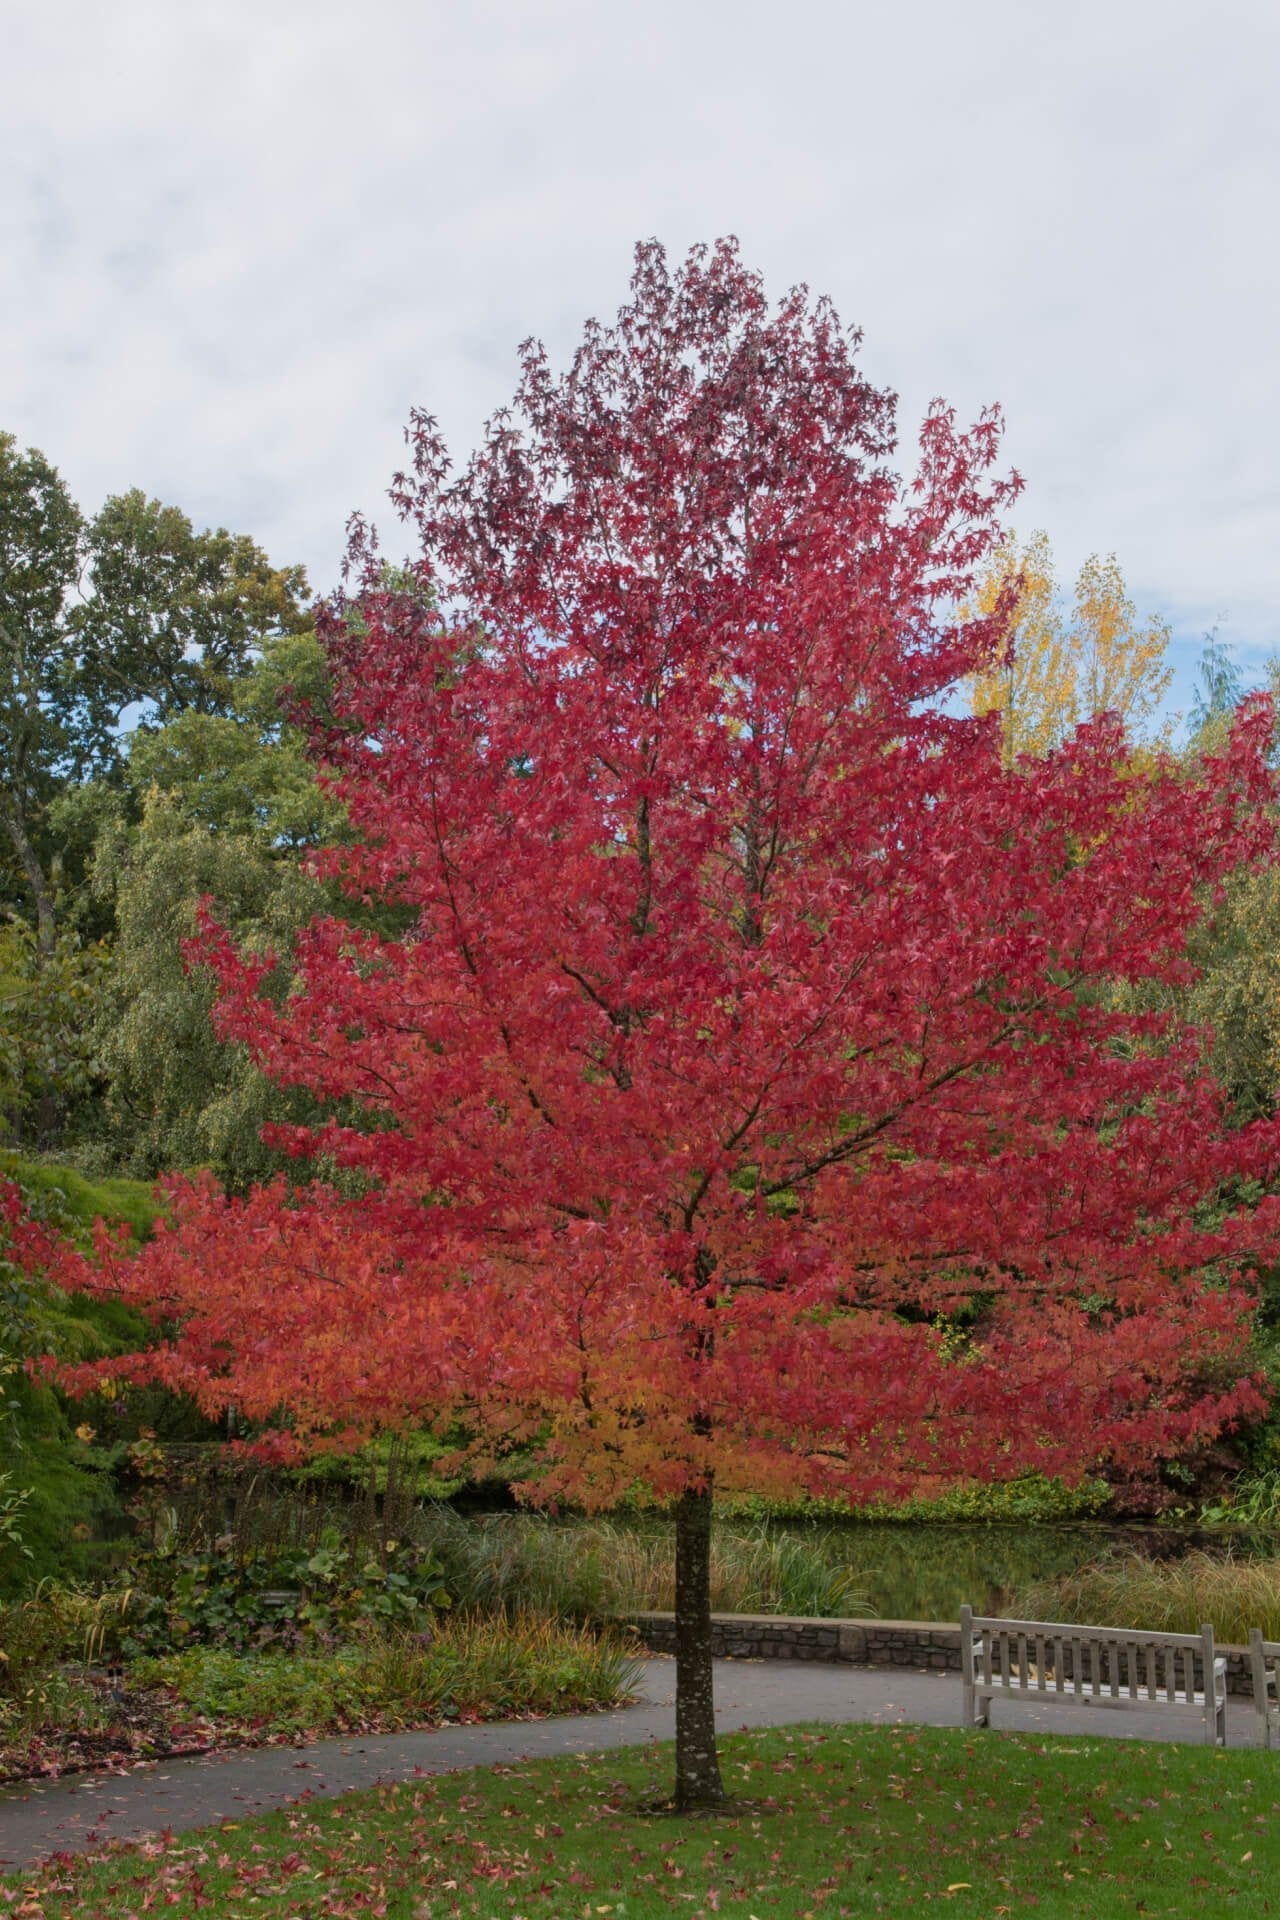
41, 891
698, 1782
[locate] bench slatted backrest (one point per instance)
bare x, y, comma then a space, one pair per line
1112, 1662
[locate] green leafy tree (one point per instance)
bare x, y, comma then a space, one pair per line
54, 1481
134, 616
47, 1058
175, 618
1219, 690
245, 772
41, 707
229, 805
134, 619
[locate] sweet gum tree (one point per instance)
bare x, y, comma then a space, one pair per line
742, 1103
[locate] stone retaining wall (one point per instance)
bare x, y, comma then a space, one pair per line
923, 1645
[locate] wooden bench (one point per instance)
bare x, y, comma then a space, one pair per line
1046, 1660
1264, 1663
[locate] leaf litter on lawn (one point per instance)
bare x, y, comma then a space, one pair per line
848, 1822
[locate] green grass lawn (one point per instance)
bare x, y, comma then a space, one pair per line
838, 1821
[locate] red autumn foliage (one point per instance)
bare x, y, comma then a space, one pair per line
752, 1024
757, 1090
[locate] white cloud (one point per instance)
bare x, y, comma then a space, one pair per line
240, 240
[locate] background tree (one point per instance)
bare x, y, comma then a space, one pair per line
742, 1105
41, 531
115, 627
1232, 994
65, 1487
133, 611
175, 618
1058, 668
229, 807
1219, 691
47, 1004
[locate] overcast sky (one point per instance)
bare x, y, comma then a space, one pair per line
239, 241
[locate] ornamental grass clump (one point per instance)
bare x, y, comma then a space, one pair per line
475, 1667
606, 1569
1172, 1596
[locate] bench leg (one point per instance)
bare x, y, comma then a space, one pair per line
976, 1708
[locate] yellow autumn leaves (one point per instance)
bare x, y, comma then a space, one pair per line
1066, 664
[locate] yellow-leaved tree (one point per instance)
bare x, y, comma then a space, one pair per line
1065, 664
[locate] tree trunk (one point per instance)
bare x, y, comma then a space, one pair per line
698, 1782
41, 892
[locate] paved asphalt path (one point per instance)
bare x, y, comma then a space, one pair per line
85, 1810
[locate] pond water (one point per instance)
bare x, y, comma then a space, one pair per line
926, 1571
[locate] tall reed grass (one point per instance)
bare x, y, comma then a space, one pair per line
606, 1569
1175, 1595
